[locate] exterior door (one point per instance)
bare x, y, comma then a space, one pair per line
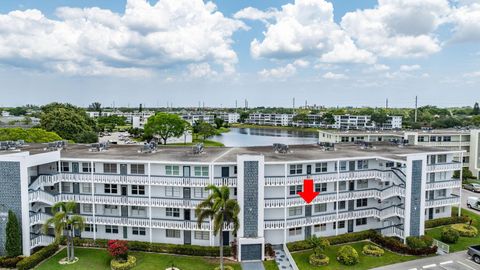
226, 238
75, 168
124, 190
187, 237
309, 169
430, 213
351, 205
351, 165
186, 171
125, 232
351, 185
186, 214
350, 226
124, 211
76, 188
308, 232
308, 210
123, 169
187, 193
225, 172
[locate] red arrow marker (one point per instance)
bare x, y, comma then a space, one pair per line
308, 193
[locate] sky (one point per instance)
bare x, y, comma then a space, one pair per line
219, 53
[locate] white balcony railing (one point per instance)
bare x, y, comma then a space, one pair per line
41, 240
392, 231
41, 196
444, 184
454, 166
442, 202
39, 218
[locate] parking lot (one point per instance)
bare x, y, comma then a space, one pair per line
454, 261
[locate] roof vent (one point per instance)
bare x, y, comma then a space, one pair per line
280, 148
11, 145
150, 147
198, 149
326, 146
365, 145
56, 145
99, 147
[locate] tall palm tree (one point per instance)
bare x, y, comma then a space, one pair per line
65, 222
223, 211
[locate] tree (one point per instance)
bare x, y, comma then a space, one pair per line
328, 118
244, 116
65, 222
30, 135
165, 125
97, 107
219, 122
476, 109
466, 174
301, 117
206, 130
112, 120
379, 117
318, 244
68, 121
17, 111
13, 244
223, 211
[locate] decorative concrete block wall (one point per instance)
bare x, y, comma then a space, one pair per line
250, 198
10, 197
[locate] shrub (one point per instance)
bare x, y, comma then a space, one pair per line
449, 235
395, 245
465, 230
318, 260
347, 255
118, 249
445, 221
38, 257
269, 250
226, 267
11, 262
13, 245
123, 265
419, 242
334, 240
372, 250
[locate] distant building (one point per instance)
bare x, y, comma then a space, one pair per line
363, 122
270, 119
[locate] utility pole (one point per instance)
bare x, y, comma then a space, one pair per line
294, 103
386, 103
416, 108
236, 106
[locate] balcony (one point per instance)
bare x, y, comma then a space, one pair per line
41, 196
391, 191
442, 202
444, 167
41, 240
130, 200
38, 218
331, 177
393, 231
444, 184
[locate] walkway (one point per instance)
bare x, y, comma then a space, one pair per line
252, 266
281, 259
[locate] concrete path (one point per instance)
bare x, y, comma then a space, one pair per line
282, 261
453, 261
252, 266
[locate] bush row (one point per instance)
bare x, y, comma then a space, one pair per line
446, 221
334, 240
9, 262
424, 241
159, 247
395, 245
38, 257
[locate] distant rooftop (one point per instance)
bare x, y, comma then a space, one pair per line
452, 131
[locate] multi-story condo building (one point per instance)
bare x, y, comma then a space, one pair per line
270, 119
454, 139
130, 117
363, 122
125, 193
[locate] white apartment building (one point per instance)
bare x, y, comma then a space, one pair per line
363, 122
454, 139
124, 193
270, 119
130, 117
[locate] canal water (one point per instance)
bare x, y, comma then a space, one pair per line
238, 137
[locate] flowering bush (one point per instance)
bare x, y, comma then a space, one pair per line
118, 249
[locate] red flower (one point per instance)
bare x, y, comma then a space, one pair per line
118, 249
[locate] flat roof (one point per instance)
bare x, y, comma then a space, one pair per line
229, 154
398, 132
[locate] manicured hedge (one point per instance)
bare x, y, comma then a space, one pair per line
449, 235
372, 250
159, 247
347, 255
393, 244
419, 242
38, 257
465, 230
320, 260
445, 221
127, 265
6, 262
334, 240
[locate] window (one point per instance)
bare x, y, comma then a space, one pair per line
296, 169
320, 167
200, 193
343, 165
295, 189
110, 209
320, 227
172, 170
173, 212
137, 168
341, 224
89, 228
66, 187
110, 188
295, 231
321, 187
295, 211
200, 171
172, 233
361, 221
362, 184
109, 168
199, 235
235, 169
447, 138
322, 207
138, 231
421, 138
442, 158
111, 229
439, 210
138, 190
342, 185
362, 202
362, 164
86, 188
87, 208
341, 205
65, 166
441, 193
172, 191
390, 164
138, 210
87, 167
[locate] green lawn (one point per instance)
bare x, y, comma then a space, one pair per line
93, 259
270, 265
463, 242
366, 262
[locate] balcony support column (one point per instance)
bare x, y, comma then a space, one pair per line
460, 188
150, 201
92, 186
337, 202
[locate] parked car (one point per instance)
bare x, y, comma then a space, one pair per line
474, 252
473, 202
472, 187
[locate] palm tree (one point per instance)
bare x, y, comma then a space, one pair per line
223, 211
318, 244
65, 222
96, 106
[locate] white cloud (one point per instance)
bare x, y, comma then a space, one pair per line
334, 76
201, 70
409, 67
301, 63
306, 28
475, 74
93, 41
251, 13
467, 23
280, 72
377, 68
398, 28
